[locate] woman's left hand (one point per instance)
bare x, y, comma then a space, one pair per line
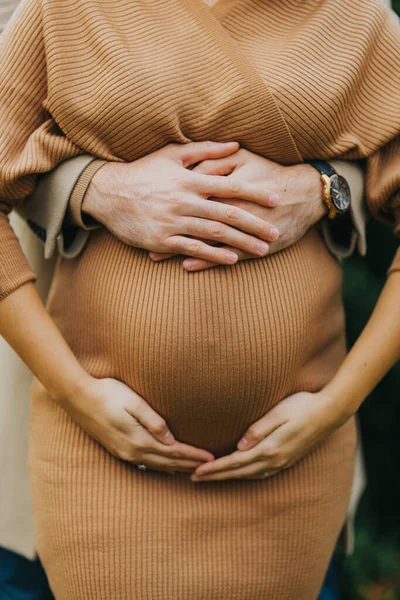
278, 440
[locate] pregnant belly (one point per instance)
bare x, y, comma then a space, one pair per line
210, 351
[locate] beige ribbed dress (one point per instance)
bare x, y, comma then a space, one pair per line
210, 351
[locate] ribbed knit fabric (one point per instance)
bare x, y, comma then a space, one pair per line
211, 351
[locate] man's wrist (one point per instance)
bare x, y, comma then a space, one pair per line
309, 181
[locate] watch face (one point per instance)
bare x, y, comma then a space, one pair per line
340, 193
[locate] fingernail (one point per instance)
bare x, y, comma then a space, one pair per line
195, 478
168, 437
273, 199
232, 257
189, 264
243, 443
274, 233
262, 248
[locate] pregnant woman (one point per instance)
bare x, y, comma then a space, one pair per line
241, 367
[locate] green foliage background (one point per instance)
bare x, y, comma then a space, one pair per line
373, 572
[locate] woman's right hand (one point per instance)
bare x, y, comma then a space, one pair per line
158, 203
127, 426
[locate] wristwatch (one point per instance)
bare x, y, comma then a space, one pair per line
336, 190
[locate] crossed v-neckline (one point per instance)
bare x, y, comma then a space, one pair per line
211, 18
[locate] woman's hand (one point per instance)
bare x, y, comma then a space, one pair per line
158, 203
278, 440
129, 428
298, 187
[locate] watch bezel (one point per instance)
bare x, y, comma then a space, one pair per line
340, 178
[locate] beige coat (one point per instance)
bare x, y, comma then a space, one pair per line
52, 195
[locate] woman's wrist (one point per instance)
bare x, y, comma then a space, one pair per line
66, 389
339, 404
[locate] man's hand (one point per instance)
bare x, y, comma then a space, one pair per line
158, 203
299, 188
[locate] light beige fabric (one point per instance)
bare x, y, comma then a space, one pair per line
16, 522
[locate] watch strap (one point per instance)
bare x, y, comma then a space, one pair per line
322, 166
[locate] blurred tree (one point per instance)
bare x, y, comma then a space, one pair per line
375, 567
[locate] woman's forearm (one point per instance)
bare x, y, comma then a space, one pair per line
373, 354
28, 328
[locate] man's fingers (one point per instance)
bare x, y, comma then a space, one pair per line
195, 264
220, 166
158, 256
222, 233
152, 421
239, 218
193, 247
226, 187
194, 152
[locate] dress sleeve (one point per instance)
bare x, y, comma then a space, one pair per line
30, 140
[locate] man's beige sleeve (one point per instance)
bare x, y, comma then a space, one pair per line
48, 210
54, 211
354, 174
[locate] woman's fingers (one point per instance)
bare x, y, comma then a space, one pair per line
152, 421
183, 451
260, 429
161, 463
249, 471
227, 187
235, 460
194, 152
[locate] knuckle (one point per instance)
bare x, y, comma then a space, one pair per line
159, 426
192, 227
138, 444
270, 450
174, 245
232, 214
234, 186
176, 200
280, 462
193, 246
127, 453
252, 433
217, 230
176, 454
